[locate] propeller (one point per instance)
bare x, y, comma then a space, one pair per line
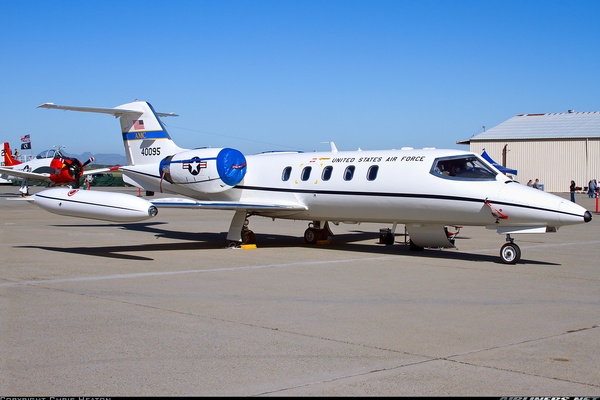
88, 161
76, 170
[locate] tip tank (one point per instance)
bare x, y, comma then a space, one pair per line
105, 206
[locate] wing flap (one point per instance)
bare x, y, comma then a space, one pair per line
178, 202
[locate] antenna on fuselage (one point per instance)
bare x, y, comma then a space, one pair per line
333, 148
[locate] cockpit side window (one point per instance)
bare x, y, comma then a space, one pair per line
463, 168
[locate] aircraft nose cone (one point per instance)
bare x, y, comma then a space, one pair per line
587, 217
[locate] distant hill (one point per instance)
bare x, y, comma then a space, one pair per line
100, 158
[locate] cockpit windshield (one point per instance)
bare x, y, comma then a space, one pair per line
462, 167
51, 153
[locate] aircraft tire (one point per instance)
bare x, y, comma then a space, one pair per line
248, 237
510, 253
311, 235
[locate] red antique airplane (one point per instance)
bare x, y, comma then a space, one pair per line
50, 166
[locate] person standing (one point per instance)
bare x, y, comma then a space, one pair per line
88, 182
592, 188
536, 184
572, 189
530, 183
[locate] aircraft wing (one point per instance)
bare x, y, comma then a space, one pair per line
97, 171
34, 176
178, 202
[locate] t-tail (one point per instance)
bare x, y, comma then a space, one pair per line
145, 137
8, 158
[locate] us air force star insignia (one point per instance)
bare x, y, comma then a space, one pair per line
195, 166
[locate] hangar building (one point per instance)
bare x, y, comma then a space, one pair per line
555, 148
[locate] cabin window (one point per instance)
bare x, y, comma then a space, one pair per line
372, 172
326, 175
467, 167
349, 172
285, 176
306, 173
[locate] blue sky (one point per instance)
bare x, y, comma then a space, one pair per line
289, 75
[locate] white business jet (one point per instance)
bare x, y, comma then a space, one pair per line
427, 190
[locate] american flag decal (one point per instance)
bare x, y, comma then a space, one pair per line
138, 124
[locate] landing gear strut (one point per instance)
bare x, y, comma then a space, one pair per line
510, 253
238, 230
314, 232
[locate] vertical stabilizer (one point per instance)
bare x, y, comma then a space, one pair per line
145, 137
8, 158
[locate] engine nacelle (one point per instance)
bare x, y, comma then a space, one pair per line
205, 170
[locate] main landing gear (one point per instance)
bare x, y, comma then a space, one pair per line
239, 233
510, 253
315, 232
248, 236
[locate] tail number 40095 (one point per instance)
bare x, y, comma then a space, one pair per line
151, 151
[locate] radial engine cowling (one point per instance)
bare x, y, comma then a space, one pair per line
206, 170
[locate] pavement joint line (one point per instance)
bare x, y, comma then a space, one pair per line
194, 271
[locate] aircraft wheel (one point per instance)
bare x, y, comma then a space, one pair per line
510, 253
311, 236
248, 237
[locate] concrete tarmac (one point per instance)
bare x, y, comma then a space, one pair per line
165, 308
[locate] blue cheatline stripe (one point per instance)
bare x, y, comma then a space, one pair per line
194, 159
141, 135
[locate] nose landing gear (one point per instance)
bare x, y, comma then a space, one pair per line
510, 253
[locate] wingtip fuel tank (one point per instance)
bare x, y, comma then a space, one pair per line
105, 206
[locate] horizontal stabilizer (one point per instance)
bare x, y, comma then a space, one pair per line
117, 112
97, 171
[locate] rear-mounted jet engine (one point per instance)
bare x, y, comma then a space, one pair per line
206, 170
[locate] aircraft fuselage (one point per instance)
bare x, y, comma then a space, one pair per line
388, 186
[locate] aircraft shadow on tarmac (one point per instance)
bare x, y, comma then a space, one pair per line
356, 241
